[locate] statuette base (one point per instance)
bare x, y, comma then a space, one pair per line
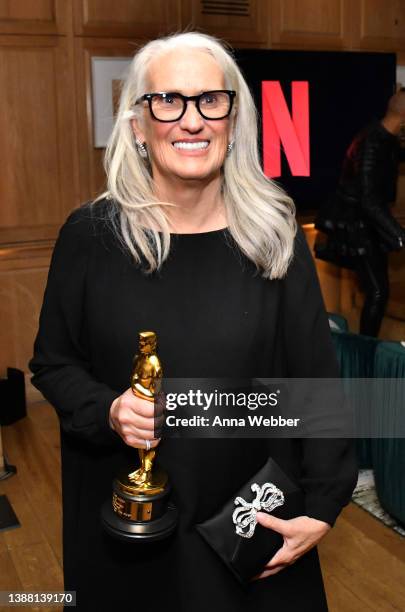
140, 512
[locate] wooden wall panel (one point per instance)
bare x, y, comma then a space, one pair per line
329, 275
23, 274
34, 16
37, 132
126, 17
242, 23
311, 24
380, 28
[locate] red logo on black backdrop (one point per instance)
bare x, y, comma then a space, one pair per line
284, 129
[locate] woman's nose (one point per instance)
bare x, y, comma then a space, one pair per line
192, 120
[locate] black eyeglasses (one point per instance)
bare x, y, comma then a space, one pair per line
211, 105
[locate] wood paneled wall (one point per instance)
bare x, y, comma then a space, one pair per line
128, 18
23, 273
37, 142
34, 16
48, 161
314, 24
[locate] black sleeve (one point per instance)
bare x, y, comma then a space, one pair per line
60, 365
372, 205
329, 466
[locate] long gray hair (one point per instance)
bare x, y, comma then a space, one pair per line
260, 215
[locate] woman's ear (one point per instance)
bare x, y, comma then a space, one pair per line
136, 128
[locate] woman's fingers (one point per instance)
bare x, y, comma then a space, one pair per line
272, 522
143, 434
269, 572
139, 422
284, 556
139, 442
137, 405
133, 418
300, 535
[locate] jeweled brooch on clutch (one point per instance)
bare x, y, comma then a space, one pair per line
268, 497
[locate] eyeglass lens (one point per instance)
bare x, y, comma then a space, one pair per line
212, 105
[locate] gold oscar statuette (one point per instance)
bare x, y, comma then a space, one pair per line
140, 508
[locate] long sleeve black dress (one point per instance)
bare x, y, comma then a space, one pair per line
214, 317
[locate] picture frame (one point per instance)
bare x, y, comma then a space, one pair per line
400, 76
108, 74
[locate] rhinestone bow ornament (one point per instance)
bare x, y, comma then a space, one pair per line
268, 497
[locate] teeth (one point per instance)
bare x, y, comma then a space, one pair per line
191, 146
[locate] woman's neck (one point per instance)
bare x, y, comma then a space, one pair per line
199, 205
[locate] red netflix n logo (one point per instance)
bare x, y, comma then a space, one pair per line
280, 128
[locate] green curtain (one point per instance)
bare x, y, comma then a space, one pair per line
356, 356
388, 454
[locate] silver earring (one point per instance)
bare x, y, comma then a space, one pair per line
230, 147
141, 148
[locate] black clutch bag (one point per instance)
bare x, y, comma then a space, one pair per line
233, 533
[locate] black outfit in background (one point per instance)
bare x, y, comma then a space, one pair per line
361, 229
214, 317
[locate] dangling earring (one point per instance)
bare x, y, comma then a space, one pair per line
230, 146
142, 150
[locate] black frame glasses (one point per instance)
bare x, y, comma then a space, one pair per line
197, 99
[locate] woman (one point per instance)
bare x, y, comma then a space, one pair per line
175, 245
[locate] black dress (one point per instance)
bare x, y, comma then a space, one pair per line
214, 317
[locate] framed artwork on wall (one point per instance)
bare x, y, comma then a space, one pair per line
108, 75
400, 76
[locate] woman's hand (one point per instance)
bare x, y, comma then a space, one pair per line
134, 419
300, 535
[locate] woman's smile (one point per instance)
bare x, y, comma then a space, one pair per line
191, 146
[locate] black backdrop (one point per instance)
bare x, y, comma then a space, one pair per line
347, 90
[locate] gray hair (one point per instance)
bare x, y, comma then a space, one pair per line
260, 215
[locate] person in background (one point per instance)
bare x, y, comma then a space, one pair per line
360, 227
